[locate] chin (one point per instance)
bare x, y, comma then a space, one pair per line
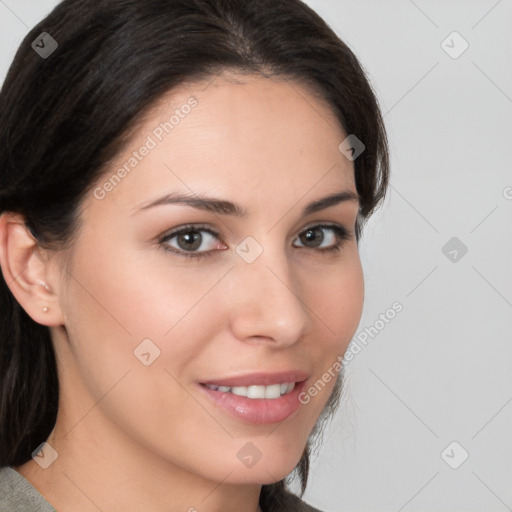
264, 471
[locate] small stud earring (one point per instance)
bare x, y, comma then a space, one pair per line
45, 309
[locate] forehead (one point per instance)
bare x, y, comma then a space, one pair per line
243, 134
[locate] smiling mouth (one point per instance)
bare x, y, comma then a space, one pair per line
256, 392
257, 398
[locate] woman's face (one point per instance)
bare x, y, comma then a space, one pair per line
243, 298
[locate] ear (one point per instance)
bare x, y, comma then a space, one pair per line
26, 270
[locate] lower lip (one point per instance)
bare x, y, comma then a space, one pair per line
257, 410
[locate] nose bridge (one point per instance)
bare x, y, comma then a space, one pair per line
267, 302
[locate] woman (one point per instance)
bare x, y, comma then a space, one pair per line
183, 185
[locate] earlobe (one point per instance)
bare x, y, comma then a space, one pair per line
25, 268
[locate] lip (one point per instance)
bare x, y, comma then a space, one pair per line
259, 379
259, 411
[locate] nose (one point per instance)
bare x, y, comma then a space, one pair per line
266, 303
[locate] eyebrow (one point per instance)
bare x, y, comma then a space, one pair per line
223, 207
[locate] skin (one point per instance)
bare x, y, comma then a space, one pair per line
135, 437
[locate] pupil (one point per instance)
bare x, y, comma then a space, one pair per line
191, 237
310, 236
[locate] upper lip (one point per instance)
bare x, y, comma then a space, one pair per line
259, 379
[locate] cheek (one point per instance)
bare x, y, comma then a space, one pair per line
137, 294
117, 301
349, 301
339, 305
337, 301
108, 317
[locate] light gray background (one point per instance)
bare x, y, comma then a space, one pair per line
440, 371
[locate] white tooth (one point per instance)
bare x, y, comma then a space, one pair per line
260, 392
239, 390
212, 386
255, 391
273, 391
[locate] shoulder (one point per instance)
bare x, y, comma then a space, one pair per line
309, 508
17, 494
302, 506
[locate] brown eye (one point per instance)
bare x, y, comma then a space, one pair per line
191, 241
314, 236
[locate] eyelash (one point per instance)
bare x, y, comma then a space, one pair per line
342, 234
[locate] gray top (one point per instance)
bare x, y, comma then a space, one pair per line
17, 494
